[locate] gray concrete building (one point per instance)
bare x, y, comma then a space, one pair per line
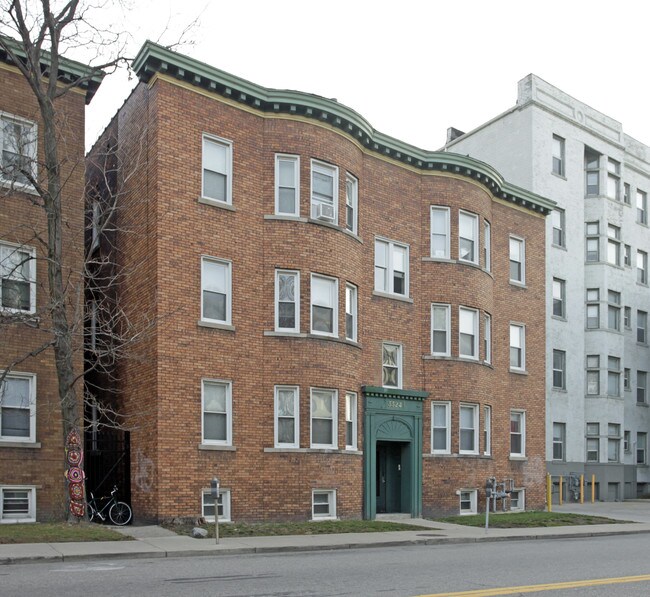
598, 299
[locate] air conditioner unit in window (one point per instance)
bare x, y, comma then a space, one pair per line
325, 212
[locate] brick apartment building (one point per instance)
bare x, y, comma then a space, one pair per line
345, 324
32, 484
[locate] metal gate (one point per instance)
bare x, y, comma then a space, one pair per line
108, 462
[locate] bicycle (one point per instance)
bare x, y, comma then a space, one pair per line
119, 513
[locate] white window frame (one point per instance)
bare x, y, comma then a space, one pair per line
641, 207
521, 243
351, 311
228, 412
613, 375
334, 296
641, 267
296, 416
487, 245
334, 396
487, 338
641, 386
487, 429
31, 504
31, 146
592, 436
522, 346
31, 438
6, 250
593, 370
228, 145
521, 500
558, 225
399, 366
561, 370
522, 432
560, 300
331, 501
472, 502
445, 212
474, 239
223, 502
475, 418
295, 160
559, 441
641, 447
352, 203
296, 275
475, 343
325, 169
641, 326
446, 330
387, 247
558, 162
447, 427
351, 419
228, 265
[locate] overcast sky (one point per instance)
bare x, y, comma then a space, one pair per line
411, 68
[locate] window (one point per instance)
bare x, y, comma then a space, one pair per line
18, 150
17, 279
641, 447
216, 290
95, 226
613, 245
559, 441
593, 375
558, 155
641, 207
217, 170
641, 327
391, 365
487, 245
627, 318
593, 308
641, 385
593, 442
517, 347
593, 242
518, 500
440, 426
287, 419
18, 408
467, 501
323, 504
216, 397
627, 255
641, 267
440, 232
351, 202
467, 237
559, 369
627, 375
626, 442
626, 193
223, 504
468, 333
613, 179
592, 173
323, 418
350, 421
18, 504
613, 376
559, 298
391, 267
468, 429
487, 338
517, 433
287, 301
324, 192
557, 220
324, 305
614, 310
351, 312
613, 442
517, 256
440, 327
487, 430
287, 185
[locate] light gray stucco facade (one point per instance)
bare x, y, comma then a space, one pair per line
598, 299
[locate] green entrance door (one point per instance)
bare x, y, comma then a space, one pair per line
392, 477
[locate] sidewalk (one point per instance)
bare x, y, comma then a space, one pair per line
156, 542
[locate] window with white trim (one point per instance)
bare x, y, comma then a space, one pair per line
613, 245
641, 207
351, 203
324, 192
613, 179
627, 379
17, 278
593, 375
216, 290
517, 433
351, 312
391, 267
391, 365
324, 306
287, 417
558, 155
350, 421
613, 442
641, 386
217, 170
614, 310
627, 441
440, 232
323, 416
592, 241
641, 267
559, 441
18, 142
627, 318
593, 308
627, 255
223, 504
641, 447
592, 173
518, 500
17, 504
467, 237
559, 369
18, 408
323, 504
487, 430
559, 298
517, 347
593, 442
627, 194
558, 223
517, 260
287, 301
440, 330
468, 499
468, 333
487, 245
641, 327
216, 400
468, 429
440, 427
287, 185
613, 376
487, 339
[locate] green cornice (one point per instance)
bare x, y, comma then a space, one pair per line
70, 71
153, 58
377, 392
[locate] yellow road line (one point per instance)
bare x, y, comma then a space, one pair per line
544, 587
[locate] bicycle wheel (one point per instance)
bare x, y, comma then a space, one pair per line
120, 513
92, 513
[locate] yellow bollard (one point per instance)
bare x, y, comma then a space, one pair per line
582, 489
560, 495
549, 493
593, 488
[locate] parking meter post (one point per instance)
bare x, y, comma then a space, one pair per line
214, 492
